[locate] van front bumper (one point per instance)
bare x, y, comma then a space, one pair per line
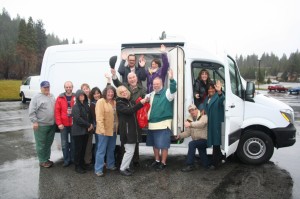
285, 136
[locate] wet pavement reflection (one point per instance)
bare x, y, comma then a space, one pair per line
21, 176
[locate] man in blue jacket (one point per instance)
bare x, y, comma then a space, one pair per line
160, 120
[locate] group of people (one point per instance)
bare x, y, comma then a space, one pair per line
113, 111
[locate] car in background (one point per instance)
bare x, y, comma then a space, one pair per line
278, 88
274, 82
294, 90
29, 88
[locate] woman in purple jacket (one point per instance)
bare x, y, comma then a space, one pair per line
157, 70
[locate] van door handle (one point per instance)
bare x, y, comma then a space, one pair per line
232, 106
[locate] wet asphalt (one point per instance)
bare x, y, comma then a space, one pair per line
21, 176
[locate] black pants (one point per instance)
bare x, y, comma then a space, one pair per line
80, 142
217, 156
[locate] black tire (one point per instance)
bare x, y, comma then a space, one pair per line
255, 147
23, 98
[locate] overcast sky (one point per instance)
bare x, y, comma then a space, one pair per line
235, 26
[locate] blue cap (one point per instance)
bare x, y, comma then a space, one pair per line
45, 84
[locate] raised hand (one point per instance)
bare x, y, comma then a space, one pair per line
142, 61
124, 56
218, 86
170, 72
162, 48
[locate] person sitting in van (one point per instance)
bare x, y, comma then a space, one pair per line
196, 127
214, 108
200, 88
125, 70
157, 70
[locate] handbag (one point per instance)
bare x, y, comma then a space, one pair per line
142, 114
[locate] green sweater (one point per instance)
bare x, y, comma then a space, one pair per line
161, 107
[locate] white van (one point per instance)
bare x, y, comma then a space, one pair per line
253, 126
29, 88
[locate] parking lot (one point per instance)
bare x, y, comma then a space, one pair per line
21, 176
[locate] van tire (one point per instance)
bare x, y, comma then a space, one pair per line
255, 147
23, 98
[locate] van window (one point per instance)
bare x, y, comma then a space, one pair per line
235, 80
27, 82
216, 71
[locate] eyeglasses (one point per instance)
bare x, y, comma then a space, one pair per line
123, 91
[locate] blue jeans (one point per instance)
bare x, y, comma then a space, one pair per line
201, 145
67, 147
105, 146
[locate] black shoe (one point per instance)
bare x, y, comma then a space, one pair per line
160, 167
188, 168
154, 164
125, 173
130, 170
114, 168
66, 164
80, 170
87, 167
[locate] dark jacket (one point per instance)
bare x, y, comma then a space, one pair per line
124, 71
82, 118
200, 88
215, 114
140, 91
129, 130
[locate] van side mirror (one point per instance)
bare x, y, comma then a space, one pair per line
112, 61
250, 90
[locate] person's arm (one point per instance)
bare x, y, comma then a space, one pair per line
165, 66
33, 107
123, 108
196, 89
200, 123
121, 68
142, 76
185, 134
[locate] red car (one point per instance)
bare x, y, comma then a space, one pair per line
278, 88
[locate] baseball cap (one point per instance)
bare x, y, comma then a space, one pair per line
45, 84
192, 106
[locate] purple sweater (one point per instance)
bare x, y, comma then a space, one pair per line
161, 72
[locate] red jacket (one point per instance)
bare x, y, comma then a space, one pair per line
61, 107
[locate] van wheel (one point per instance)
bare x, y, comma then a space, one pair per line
255, 147
23, 98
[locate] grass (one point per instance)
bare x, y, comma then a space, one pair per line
9, 90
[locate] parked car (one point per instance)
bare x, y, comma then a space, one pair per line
274, 82
278, 88
29, 88
294, 90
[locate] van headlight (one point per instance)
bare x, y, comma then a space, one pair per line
288, 115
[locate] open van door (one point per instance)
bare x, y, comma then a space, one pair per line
234, 107
176, 60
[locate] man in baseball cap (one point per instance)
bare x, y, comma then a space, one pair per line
45, 84
196, 127
41, 114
